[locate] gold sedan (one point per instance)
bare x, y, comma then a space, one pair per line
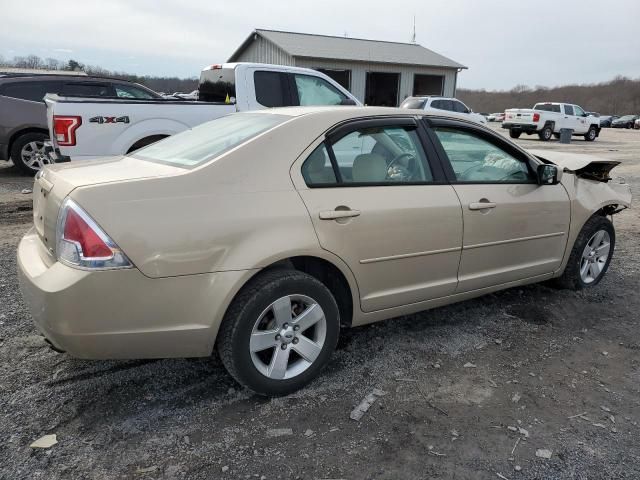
263, 234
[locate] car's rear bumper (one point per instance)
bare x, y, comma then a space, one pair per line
523, 127
54, 154
122, 313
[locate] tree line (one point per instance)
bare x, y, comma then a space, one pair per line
159, 84
620, 96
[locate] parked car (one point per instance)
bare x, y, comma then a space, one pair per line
547, 119
605, 121
636, 125
496, 117
626, 121
262, 234
595, 114
437, 104
96, 128
188, 96
23, 114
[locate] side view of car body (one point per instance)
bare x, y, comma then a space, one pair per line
626, 121
262, 234
606, 120
438, 104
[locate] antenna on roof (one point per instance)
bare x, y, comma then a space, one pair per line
413, 37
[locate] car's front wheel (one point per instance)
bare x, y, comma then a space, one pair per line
590, 256
279, 332
591, 134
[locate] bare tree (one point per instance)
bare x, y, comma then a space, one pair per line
52, 63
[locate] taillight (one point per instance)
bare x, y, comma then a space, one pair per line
64, 128
81, 242
536, 117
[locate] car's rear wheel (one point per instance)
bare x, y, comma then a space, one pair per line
591, 135
590, 256
279, 332
515, 133
545, 134
27, 152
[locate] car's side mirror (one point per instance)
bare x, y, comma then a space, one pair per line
347, 101
548, 175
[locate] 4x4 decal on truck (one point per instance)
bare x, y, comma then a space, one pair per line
124, 119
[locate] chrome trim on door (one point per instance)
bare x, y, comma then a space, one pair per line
513, 240
410, 255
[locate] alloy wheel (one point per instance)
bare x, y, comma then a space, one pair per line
33, 155
288, 337
594, 256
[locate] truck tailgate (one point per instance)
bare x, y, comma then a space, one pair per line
519, 115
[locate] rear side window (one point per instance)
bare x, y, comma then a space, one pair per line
568, 109
80, 89
317, 168
272, 88
317, 91
32, 91
218, 85
547, 107
209, 140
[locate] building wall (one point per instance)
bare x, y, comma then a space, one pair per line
263, 51
359, 74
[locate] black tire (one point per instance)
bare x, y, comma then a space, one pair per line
515, 133
17, 149
546, 133
237, 326
591, 134
571, 278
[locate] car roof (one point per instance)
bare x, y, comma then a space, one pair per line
62, 76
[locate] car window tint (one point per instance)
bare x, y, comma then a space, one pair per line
568, 110
87, 90
475, 159
547, 107
458, 107
381, 155
33, 91
128, 91
439, 104
271, 88
578, 111
317, 168
209, 140
317, 91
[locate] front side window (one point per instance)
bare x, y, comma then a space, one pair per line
568, 110
371, 156
577, 111
317, 91
128, 91
209, 140
477, 160
459, 107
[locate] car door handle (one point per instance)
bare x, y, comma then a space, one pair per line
481, 205
335, 214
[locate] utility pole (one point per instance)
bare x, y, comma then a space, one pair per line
413, 37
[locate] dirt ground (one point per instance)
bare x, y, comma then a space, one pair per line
473, 390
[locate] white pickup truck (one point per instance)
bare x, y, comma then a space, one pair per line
86, 128
546, 119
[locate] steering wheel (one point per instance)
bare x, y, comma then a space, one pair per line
396, 159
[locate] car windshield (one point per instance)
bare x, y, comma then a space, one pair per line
209, 140
410, 102
627, 117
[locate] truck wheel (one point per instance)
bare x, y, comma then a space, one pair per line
515, 133
591, 135
545, 134
590, 256
279, 332
27, 152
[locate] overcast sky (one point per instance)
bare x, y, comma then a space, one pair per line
503, 42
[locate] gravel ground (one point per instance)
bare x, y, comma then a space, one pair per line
473, 390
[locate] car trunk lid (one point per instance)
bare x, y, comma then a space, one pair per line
55, 182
